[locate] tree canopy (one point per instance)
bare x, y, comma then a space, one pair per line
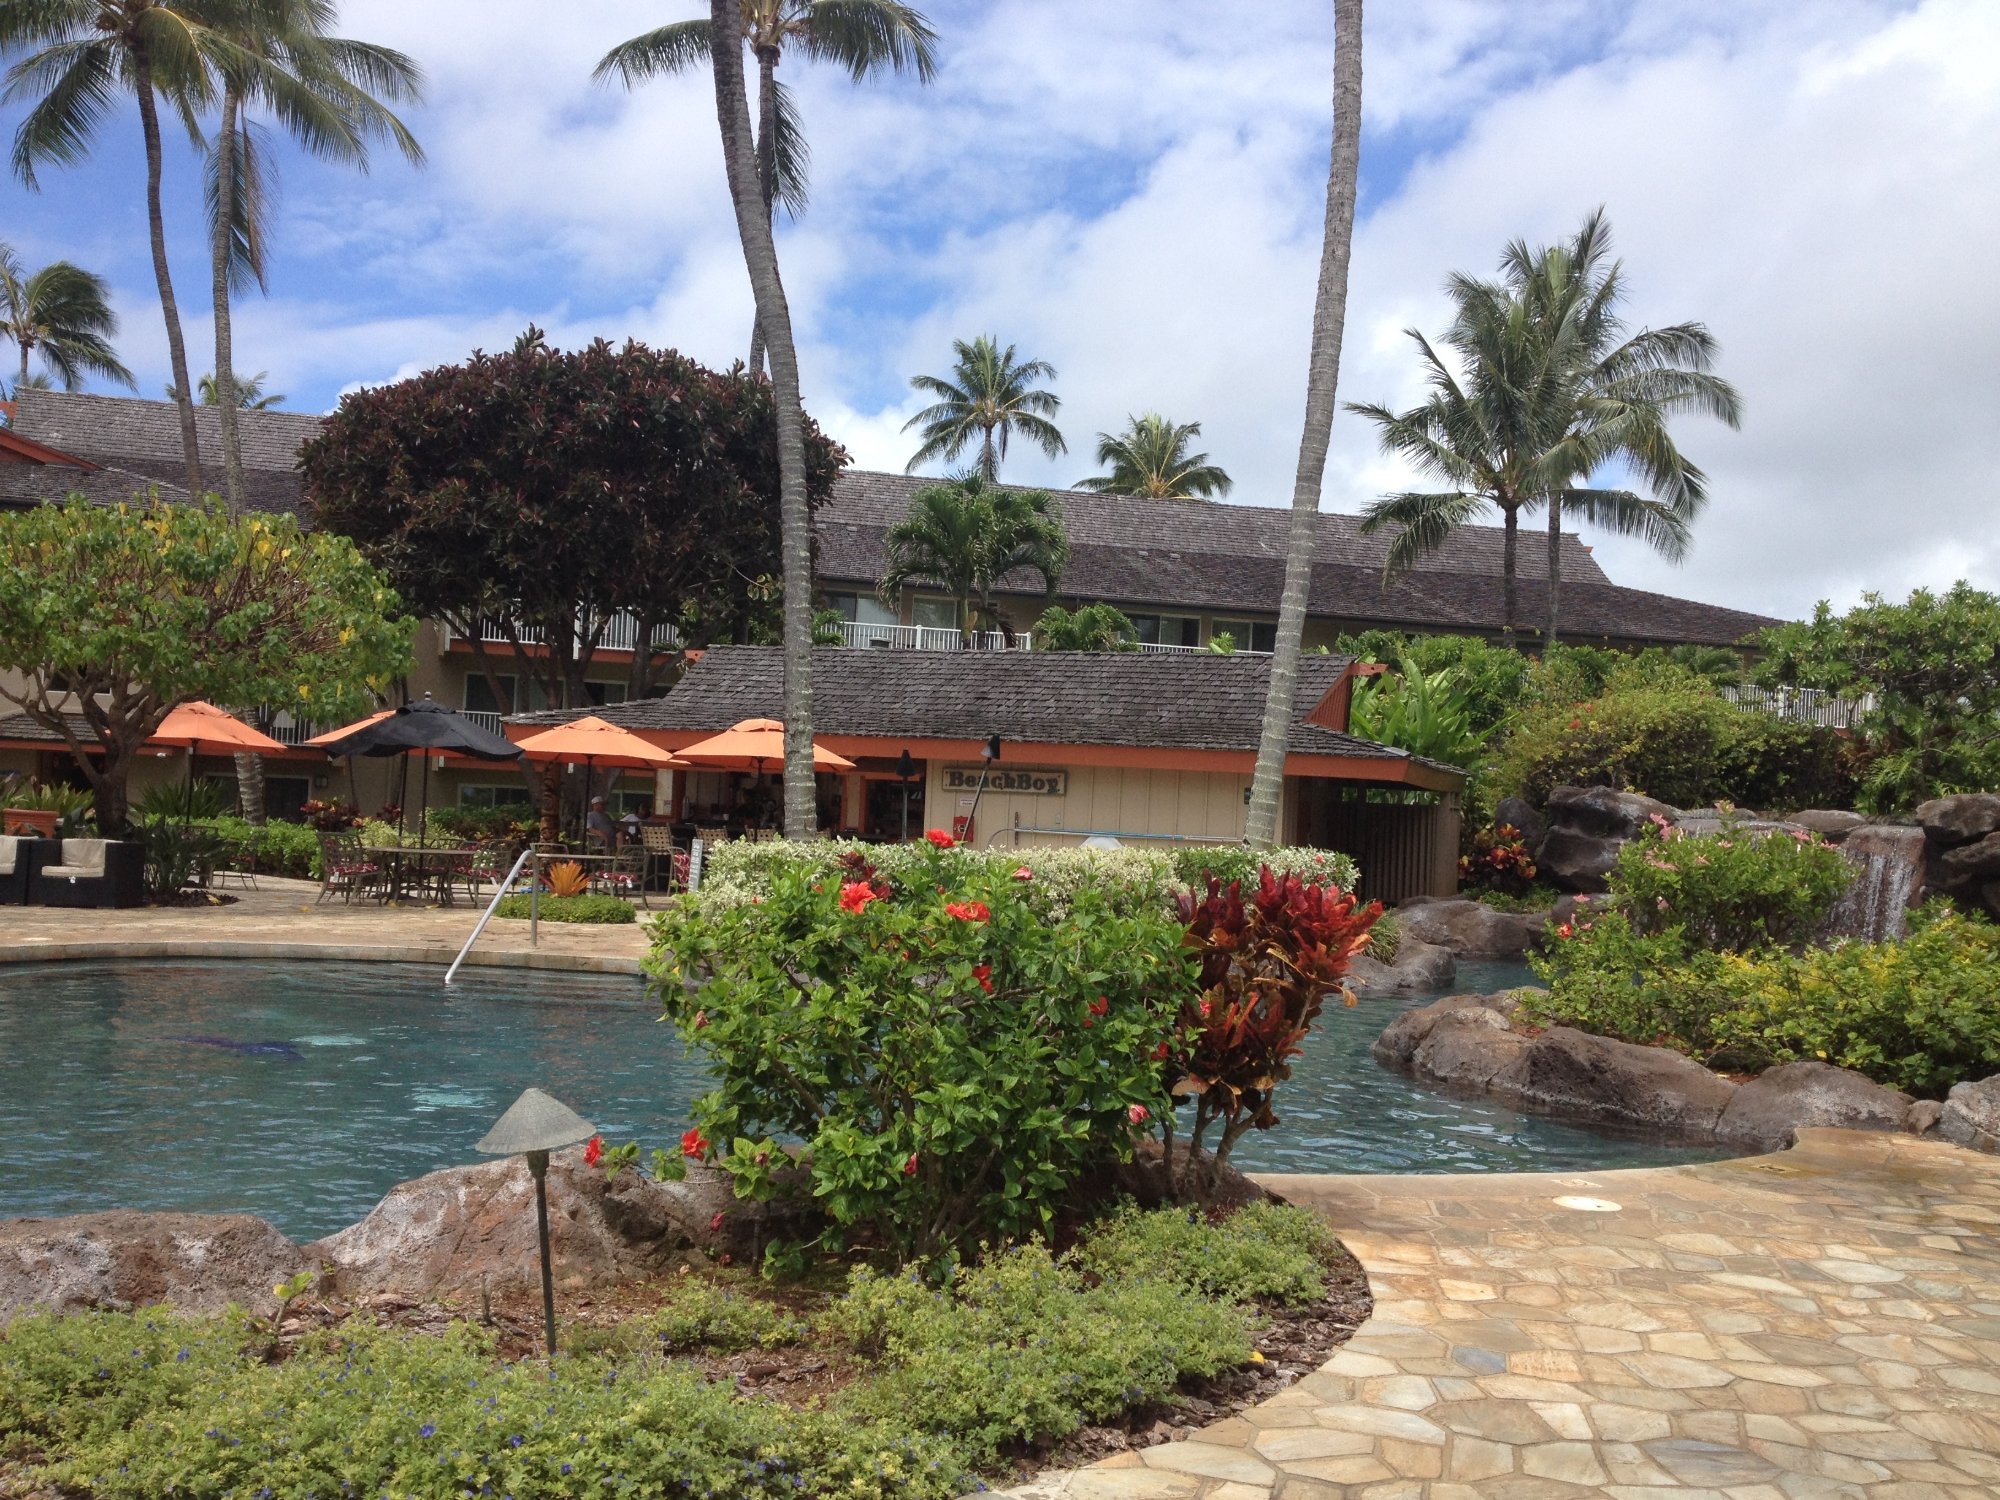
62, 313
545, 491
115, 615
988, 397
1150, 457
966, 535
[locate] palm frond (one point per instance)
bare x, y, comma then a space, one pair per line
73, 84
791, 156
1657, 524
252, 206
866, 35
674, 48
1426, 521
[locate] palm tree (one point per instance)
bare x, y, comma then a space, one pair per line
323, 91
774, 317
988, 396
63, 313
862, 36
1095, 627
1150, 458
250, 393
1260, 823
967, 535
81, 55
1542, 395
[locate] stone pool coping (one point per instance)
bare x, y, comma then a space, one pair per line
282, 920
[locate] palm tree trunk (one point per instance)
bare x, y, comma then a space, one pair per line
767, 169
1555, 569
225, 373
989, 459
1260, 828
27, 344
149, 123
1509, 546
774, 317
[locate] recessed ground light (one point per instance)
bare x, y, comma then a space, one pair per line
1590, 1205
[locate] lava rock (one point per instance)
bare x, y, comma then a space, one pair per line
1603, 812
1768, 1110
1469, 929
1971, 1115
1419, 966
125, 1258
467, 1227
1467, 1048
1831, 824
1923, 1117
1950, 821
1978, 861
1401, 1037
1570, 1072
1519, 814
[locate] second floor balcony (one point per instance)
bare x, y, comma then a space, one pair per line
941, 638
620, 633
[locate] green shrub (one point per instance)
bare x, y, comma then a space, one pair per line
1263, 1252
952, 1058
133, 1406
597, 909
1385, 938
1680, 743
1918, 1015
1425, 713
1023, 1347
1489, 677
1130, 880
289, 849
1730, 891
1607, 979
702, 1314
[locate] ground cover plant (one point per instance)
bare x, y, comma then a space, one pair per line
601, 910
148, 1403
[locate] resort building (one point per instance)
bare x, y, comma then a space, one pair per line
1141, 747
1186, 572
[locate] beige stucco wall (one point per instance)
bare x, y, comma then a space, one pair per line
1204, 806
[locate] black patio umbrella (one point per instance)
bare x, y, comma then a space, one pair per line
423, 726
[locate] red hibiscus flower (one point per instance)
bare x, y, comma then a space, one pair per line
1160, 1053
693, 1142
700, 1019
940, 838
968, 911
1565, 930
1138, 1114
593, 1151
1100, 1006
1024, 873
910, 1166
984, 974
856, 894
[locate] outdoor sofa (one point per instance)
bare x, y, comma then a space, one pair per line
20, 857
91, 872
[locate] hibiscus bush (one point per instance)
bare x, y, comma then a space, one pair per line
1266, 963
1730, 891
952, 1059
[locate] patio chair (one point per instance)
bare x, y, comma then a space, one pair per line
624, 875
476, 873
20, 856
93, 873
345, 869
710, 837
660, 847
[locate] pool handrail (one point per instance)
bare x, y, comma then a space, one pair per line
494, 905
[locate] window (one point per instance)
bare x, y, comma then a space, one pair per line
1167, 630
1249, 635
936, 614
862, 609
501, 794
479, 694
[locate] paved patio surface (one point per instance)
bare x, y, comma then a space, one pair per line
1823, 1322
281, 919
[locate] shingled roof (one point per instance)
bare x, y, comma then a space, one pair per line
144, 437
1147, 554
23, 485
1139, 699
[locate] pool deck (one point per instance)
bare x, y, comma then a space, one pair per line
1823, 1322
282, 919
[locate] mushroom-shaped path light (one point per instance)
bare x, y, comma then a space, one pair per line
534, 1126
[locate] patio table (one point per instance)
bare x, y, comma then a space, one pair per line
407, 866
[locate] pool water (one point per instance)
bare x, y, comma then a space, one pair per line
304, 1091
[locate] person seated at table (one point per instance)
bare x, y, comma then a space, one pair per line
598, 827
629, 824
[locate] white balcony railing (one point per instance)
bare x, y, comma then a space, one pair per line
926, 638
1803, 705
621, 633
483, 719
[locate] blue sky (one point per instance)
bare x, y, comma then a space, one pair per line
1134, 193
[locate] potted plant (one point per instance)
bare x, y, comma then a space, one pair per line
30, 809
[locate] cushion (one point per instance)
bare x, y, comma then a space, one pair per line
9, 852
80, 857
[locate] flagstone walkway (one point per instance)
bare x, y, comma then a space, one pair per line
1823, 1322
284, 919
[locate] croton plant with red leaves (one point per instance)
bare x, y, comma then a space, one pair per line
1267, 961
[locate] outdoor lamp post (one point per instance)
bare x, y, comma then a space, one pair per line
905, 769
534, 1126
988, 753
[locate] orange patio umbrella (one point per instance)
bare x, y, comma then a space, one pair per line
597, 742
321, 741
202, 728
753, 745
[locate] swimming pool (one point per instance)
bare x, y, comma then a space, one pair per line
304, 1091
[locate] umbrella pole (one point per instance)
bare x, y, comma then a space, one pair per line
424, 804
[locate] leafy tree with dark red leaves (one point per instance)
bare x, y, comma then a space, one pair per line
544, 491
1267, 963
